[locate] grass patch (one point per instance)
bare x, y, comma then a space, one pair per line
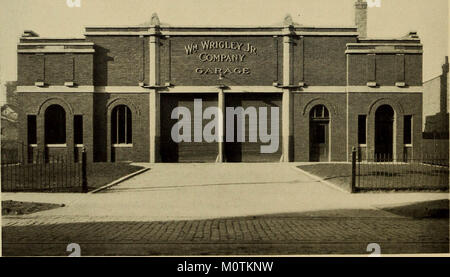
61, 178
384, 176
100, 174
10, 207
338, 174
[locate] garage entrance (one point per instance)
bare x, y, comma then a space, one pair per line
192, 151
248, 151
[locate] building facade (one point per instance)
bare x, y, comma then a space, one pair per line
114, 92
436, 115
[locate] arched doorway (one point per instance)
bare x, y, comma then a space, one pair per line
55, 125
319, 133
384, 133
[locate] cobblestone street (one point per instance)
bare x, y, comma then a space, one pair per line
260, 235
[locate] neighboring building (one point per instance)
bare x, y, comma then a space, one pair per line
8, 124
9, 114
114, 91
436, 114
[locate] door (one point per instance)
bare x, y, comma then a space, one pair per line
384, 133
319, 141
186, 151
248, 151
319, 134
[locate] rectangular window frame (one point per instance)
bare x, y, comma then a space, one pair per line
78, 134
365, 130
32, 138
410, 142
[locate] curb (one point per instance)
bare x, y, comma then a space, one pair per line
120, 180
317, 178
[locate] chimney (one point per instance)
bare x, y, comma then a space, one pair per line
361, 17
445, 66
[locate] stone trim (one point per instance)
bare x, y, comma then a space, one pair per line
56, 51
386, 89
81, 43
381, 51
62, 88
215, 89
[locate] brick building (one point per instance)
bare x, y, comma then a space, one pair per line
114, 91
436, 115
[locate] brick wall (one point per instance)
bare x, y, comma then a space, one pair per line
120, 60
138, 103
324, 60
402, 103
55, 69
303, 104
73, 104
386, 74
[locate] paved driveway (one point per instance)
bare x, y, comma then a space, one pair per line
246, 208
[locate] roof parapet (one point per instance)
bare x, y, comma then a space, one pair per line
29, 33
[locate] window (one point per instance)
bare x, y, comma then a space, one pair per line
362, 129
55, 125
121, 125
319, 112
407, 129
78, 129
31, 125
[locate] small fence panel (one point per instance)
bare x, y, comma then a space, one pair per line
382, 172
39, 172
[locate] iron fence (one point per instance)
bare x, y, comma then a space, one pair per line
39, 171
385, 172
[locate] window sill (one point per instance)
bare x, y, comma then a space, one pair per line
32, 145
362, 145
56, 145
408, 145
79, 145
122, 145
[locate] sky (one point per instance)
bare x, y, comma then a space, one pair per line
54, 18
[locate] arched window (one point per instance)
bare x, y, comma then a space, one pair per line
55, 125
121, 125
319, 112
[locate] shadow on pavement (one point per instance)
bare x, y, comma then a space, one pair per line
427, 209
314, 233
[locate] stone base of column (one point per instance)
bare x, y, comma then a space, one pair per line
155, 150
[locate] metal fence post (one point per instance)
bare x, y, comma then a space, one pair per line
84, 184
353, 184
